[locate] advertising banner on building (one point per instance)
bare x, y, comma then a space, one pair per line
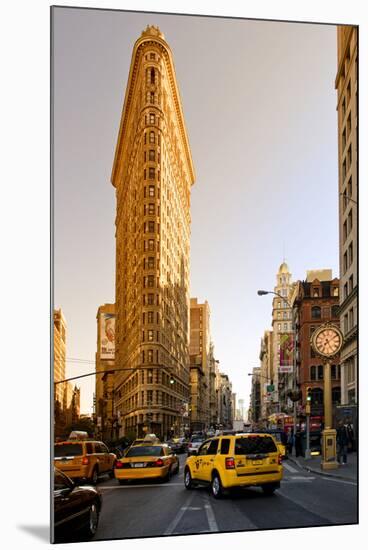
107, 336
286, 353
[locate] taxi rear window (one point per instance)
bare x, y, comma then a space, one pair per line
68, 449
145, 451
254, 444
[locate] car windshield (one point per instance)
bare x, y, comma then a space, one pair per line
197, 439
145, 451
254, 444
68, 449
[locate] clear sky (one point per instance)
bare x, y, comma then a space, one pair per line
260, 108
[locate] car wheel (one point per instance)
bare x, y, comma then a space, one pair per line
269, 489
168, 475
93, 517
216, 486
188, 481
94, 476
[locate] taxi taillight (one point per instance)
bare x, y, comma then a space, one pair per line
118, 464
159, 462
85, 460
229, 463
280, 459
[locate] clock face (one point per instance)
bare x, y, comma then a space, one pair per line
328, 341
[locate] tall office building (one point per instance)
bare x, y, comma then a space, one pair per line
152, 174
282, 374
105, 360
347, 110
199, 350
59, 355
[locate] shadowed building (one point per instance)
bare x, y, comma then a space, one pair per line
152, 174
347, 109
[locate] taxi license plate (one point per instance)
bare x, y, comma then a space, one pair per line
257, 462
138, 465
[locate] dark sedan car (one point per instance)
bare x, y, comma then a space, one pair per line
76, 509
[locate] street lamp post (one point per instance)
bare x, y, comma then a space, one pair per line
293, 330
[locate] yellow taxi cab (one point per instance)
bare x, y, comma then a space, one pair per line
230, 461
147, 461
83, 459
280, 444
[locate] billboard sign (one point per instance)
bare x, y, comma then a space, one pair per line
286, 353
107, 336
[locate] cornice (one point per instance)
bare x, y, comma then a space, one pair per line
138, 49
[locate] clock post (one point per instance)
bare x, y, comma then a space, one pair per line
326, 342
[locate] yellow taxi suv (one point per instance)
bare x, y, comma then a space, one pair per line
84, 460
233, 461
147, 461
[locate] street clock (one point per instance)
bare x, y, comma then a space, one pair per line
327, 340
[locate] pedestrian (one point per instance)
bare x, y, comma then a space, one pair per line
342, 441
351, 444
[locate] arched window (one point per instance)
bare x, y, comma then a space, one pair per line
317, 396
316, 312
320, 372
336, 395
313, 373
335, 311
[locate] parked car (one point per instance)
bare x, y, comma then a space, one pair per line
147, 461
194, 443
76, 509
84, 460
231, 461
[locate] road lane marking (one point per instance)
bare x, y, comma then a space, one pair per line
340, 480
212, 523
141, 486
179, 515
290, 468
301, 478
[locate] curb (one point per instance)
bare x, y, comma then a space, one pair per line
321, 473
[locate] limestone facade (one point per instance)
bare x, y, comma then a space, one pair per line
152, 174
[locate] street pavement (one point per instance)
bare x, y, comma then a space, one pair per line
150, 509
347, 471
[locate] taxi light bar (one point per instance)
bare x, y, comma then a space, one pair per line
229, 463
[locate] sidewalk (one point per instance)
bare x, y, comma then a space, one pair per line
347, 472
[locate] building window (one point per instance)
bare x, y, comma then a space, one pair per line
336, 395
150, 227
151, 190
335, 291
346, 323
151, 154
152, 137
150, 299
344, 231
313, 373
150, 334
151, 209
150, 317
316, 292
345, 290
152, 76
351, 318
151, 244
345, 262
351, 285
335, 311
152, 56
350, 221
279, 305
350, 254
316, 312
151, 173
152, 97
151, 262
320, 372
279, 327
152, 118
285, 327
